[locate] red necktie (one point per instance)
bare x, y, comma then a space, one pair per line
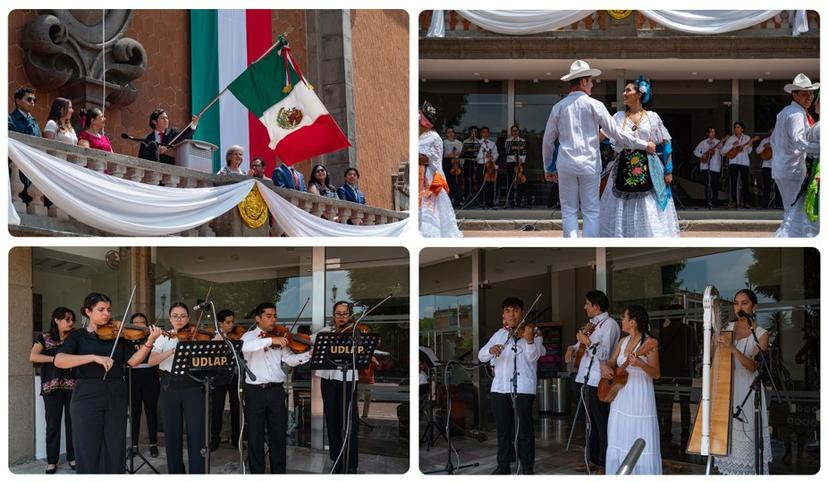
811, 121
295, 178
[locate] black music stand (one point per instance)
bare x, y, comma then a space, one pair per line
344, 351
133, 451
207, 362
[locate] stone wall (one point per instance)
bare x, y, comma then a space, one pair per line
380, 76
21, 403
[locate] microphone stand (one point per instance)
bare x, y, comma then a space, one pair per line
587, 420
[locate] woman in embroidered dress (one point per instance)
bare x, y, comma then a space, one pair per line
93, 120
633, 412
436, 212
55, 386
742, 460
637, 201
59, 127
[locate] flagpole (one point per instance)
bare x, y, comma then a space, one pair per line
282, 40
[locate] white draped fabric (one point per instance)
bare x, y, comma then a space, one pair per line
14, 218
130, 208
526, 22
523, 22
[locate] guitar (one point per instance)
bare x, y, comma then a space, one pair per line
710, 152
767, 154
737, 148
608, 388
588, 330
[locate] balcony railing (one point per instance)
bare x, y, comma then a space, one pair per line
38, 219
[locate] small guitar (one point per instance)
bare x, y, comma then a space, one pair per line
608, 388
737, 148
710, 152
588, 330
767, 154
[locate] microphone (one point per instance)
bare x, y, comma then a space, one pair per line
628, 465
203, 305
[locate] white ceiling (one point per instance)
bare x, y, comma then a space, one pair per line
664, 69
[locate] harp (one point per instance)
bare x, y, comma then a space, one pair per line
711, 429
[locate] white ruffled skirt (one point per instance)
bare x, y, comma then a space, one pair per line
636, 217
437, 218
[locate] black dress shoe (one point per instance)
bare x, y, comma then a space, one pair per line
502, 471
214, 444
51, 471
153, 451
73, 466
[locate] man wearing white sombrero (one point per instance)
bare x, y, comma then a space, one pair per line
574, 122
790, 148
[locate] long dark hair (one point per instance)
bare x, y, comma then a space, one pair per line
93, 299
327, 182
60, 106
751, 295
641, 317
58, 314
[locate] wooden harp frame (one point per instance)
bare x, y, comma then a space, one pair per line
711, 429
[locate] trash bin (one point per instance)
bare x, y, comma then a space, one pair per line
196, 155
553, 396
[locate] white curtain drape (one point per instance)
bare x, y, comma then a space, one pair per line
705, 22
523, 22
129, 208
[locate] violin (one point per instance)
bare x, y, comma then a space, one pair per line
237, 332
456, 169
490, 171
349, 327
587, 330
193, 332
131, 332
521, 177
298, 343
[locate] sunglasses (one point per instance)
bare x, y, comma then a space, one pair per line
30, 99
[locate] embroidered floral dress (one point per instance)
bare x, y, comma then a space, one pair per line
51, 378
647, 213
436, 212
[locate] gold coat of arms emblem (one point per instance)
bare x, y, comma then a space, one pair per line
289, 118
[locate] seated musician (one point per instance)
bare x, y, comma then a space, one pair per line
264, 398
510, 344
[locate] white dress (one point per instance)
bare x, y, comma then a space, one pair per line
632, 416
68, 137
795, 222
437, 218
637, 217
741, 460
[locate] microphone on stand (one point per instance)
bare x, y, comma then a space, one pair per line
203, 305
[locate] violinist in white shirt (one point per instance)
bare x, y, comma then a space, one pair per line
486, 162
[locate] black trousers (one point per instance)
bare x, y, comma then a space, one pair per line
219, 394
712, 182
769, 186
505, 424
57, 405
738, 171
146, 387
183, 407
99, 414
332, 407
265, 408
664, 408
598, 413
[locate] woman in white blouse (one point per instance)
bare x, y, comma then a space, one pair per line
59, 126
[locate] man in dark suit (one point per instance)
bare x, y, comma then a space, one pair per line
349, 190
286, 177
153, 148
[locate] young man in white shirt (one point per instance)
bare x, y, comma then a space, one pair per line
710, 164
453, 149
739, 166
510, 345
264, 398
575, 122
487, 153
515, 148
599, 346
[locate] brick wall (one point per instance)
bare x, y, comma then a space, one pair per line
381, 66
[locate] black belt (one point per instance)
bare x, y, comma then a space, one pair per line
266, 385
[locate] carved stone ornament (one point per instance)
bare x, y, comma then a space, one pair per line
84, 55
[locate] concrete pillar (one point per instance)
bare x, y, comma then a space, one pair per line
330, 70
21, 403
317, 323
140, 274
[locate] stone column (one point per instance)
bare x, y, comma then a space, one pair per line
330, 70
140, 268
21, 403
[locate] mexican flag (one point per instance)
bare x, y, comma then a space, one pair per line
298, 124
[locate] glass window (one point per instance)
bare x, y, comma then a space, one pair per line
462, 104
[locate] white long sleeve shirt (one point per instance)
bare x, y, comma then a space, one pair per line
743, 158
164, 344
266, 361
606, 335
715, 162
486, 146
527, 362
575, 122
790, 144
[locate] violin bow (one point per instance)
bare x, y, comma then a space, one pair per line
121, 327
514, 331
364, 314
290, 329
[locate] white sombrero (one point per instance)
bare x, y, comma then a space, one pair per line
801, 83
579, 68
